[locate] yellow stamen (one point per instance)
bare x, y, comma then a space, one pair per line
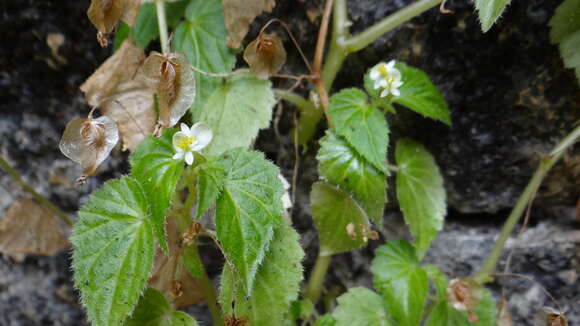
184, 142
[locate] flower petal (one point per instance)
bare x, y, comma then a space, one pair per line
179, 155
176, 137
189, 158
391, 65
385, 92
395, 92
374, 73
203, 134
184, 128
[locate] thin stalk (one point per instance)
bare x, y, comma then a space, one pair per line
388, 23
39, 199
488, 268
300, 102
161, 20
209, 293
314, 287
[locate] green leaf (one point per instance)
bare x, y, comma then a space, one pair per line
192, 262
236, 111
566, 21
333, 210
445, 315
113, 250
153, 165
403, 283
489, 11
210, 179
361, 124
341, 165
247, 210
146, 28
325, 320
361, 307
420, 192
202, 36
419, 94
276, 286
154, 310
570, 52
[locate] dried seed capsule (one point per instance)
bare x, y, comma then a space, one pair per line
265, 55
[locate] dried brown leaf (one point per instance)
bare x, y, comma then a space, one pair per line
174, 84
28, 228
464, 294
504, 315
239, 14
551, 317
120, 67
104, 14
89, 141
169, 275
265, 55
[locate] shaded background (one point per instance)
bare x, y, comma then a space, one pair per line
510, 97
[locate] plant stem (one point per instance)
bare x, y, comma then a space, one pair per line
209, 293
488, 268
160, 6
40, 199
314, 287
388, 23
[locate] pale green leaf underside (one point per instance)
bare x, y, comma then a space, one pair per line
154, 310
113, 251
361, 124
210, 179
570, 52
153, 165
276, 286
403, 283
202, 36
333, 209
420, 192
489, 11
341, 165
247, 210
236, 111
325, 320
361, 307
419, 94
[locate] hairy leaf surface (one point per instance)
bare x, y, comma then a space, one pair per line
236, 111
419, 94
210, 180
489, 11
361, 124
341, 165
276, 285
154, 310
403, 283
153, 165
361, 307
333, 211
247, 210
113, 250
421, 193
202, 36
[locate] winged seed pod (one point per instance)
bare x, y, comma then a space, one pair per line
265, 55
104, 14
88, 142
551, 317
174, 84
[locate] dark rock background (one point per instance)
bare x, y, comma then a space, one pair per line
511, 101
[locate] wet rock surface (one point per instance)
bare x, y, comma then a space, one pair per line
510, 97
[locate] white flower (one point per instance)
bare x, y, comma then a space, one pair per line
191, 140
386, 76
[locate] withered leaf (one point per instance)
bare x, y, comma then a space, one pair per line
239, 14
174, 84
120, 67
89, 141
104, 14
464, 294
169, 274
504, 315
119, 90
265, 55
28, 228
133, 109
551, 317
